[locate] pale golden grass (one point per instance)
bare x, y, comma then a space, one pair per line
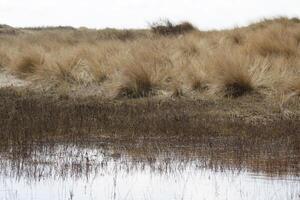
138, 63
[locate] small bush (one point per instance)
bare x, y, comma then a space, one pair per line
168, 28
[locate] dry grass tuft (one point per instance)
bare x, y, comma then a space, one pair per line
28, 63
143, 73
134, 82
230, 75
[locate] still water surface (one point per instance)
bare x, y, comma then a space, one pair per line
98, 172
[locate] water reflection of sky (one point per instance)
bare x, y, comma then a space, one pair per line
190, 183
87, 173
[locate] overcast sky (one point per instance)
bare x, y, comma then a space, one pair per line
206, 14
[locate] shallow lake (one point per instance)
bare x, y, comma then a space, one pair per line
153, 171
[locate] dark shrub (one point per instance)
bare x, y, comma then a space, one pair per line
168, 28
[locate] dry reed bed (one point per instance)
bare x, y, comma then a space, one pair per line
263, 57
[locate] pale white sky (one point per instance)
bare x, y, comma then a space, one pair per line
206, 14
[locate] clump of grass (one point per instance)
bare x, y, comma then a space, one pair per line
143, 73
134, 82
74, 69
166, 27
230, 75
27, 63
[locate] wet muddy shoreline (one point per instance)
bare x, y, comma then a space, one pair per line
24, 112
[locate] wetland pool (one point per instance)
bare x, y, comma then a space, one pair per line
146, 171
